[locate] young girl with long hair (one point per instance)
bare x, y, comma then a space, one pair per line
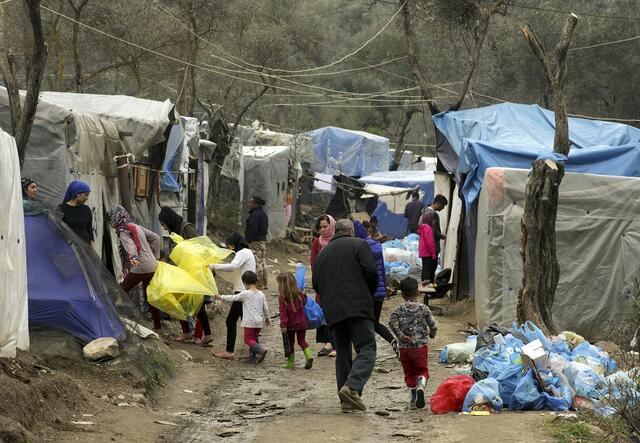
293, 322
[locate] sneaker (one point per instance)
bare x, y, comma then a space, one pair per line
412, 398
332, 353
351, 396
394, 346
346, 408
261, 355
420, 401
323, 352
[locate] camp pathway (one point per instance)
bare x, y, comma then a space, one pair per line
269, 404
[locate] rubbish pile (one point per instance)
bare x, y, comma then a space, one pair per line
524, 370
401, 256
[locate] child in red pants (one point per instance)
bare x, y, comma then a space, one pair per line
293, 321
255, 314
413, 324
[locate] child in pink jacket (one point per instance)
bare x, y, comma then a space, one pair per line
293, 322
427, 252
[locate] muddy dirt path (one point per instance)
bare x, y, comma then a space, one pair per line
268, 403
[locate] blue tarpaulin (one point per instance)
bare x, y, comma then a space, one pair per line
513, 135
353, 153
390, 222
66, 292
171, 164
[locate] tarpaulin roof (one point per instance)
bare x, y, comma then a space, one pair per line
353, 153
513, 135
391, 219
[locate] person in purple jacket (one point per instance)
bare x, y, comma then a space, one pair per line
359, 231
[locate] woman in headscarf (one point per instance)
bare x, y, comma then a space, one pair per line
244, 260
326, 227
360, 231
139, 251
75, 213
173, 222
30, 206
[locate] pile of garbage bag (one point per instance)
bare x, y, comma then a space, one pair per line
524, 370
401, 256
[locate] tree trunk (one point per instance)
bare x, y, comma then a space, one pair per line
75, 30
541, 271
59, 50
402, 131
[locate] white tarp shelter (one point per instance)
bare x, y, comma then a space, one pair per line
14, 320
597, 236
266, 173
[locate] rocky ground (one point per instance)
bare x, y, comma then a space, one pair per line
207, 399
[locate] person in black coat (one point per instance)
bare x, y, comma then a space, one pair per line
345, 274
255, 233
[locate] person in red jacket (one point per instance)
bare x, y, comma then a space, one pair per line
293, 321
427, 252
326, 227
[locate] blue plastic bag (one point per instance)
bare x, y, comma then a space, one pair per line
532, 332
526, 396
393, 244
488, 360
508, 378
561, 403
585, 349
301, 272
314, 314
484, 391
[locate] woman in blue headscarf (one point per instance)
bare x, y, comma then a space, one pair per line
359, 231
75, 213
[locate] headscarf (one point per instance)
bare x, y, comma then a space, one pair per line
327, 234
25, 184
170, 218
359, 230
122, 221
75, 187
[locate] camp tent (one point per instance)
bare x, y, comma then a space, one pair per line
391, 219
597, 236
352, 153
266, 172
14, 327
69, 287
512, 136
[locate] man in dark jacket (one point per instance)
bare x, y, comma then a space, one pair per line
345, 274
412, 212
256, 235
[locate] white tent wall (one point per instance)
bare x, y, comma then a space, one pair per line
266, 170
442, 185
597, 237
451, 245
14, 320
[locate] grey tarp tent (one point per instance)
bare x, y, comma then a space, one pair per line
598, 239
266, 171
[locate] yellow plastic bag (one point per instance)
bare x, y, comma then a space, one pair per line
195, 255
175, 292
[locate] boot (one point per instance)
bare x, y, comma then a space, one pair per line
290, 364
258, 353
420, 386
308, 354
412, 398
351, 397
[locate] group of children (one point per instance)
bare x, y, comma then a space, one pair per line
411, 322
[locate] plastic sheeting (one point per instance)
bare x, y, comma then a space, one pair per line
266, 173
597, 236
14, 327
512, 135
69, 288
391, 219
353, 153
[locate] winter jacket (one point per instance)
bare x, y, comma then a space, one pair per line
149, 251
432, 218
427, 242
257, 225
376, 249
345, 274
412, 213
292, 314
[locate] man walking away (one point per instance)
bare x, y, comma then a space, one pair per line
412, 212
432, 218
345, 274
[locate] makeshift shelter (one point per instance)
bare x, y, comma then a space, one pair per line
69, 287
390, 214
266, 173
512, 136
597, 239
352, 153
14, 327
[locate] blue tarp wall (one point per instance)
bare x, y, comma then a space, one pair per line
513, 135
354, 153
391, 223
65, 293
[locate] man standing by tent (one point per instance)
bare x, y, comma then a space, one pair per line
412, 212
256, 235
432, 218
345, 274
